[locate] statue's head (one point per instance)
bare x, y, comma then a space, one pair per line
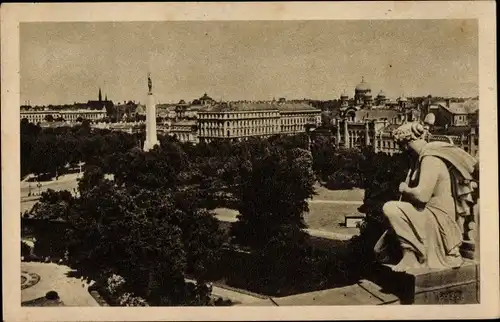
410, 136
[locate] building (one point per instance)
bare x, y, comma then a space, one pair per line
185, 131
92, 110
205, 100
466, 137
457, 113
241, 120
65, 115
294, 117
370, 132
100, 104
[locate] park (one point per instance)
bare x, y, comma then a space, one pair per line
258, 222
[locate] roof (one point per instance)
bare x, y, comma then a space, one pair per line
376, 114
381, 94
295, 107
184, 123
467, 107
233, 107
363, 86
206, 97
454, 130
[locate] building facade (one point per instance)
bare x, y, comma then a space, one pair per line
243, 120
457, 113
185, 131
66, 115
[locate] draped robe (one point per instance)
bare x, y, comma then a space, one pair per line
430, 229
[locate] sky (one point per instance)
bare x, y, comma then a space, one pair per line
62, 63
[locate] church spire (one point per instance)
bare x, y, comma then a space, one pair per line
106, 98
100, 95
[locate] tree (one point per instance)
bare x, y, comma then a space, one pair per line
274, 188
49, 118
150, 239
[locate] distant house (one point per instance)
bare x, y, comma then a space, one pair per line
457, 113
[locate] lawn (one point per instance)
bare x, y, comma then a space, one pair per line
329, 217
343, 195
322, 216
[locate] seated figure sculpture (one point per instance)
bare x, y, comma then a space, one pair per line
437, 191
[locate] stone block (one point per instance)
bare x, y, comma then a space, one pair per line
352, 221
431, 286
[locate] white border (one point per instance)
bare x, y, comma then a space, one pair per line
12, 14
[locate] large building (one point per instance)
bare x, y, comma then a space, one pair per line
365, 122
65, 115
92, 110
241, 120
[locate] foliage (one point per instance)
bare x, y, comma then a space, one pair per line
128, 299
151, 238
274, 188
49, 150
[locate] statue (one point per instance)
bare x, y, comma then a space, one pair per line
435, 194
150, 83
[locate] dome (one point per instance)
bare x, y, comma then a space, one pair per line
381, 94
363, 86
402, 99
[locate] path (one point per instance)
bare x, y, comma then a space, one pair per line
234, 296
72, 291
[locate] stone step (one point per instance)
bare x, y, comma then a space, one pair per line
431, 286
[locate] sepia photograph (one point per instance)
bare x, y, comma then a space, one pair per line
250, 163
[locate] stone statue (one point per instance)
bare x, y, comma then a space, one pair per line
437, 191
150, 83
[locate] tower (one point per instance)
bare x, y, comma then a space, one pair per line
100, 95
151, 139
344, 100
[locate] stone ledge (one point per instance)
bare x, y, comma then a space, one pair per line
431, 286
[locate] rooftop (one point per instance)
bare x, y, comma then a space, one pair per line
468, 107
363, 86
184, 123
254, 106
376, 114
454, 130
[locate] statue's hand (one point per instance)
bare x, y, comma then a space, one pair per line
403, 186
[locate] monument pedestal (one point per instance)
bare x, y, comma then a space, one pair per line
431, 286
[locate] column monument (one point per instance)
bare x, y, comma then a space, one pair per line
151, 139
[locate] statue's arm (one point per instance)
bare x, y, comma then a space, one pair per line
430, 169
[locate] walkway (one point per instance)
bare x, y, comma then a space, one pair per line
241, 297
53, 277
362, 293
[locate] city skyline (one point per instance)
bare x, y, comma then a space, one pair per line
62, 63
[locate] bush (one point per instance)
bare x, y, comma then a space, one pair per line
52, 295
128, 299
342, 180
115, 284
